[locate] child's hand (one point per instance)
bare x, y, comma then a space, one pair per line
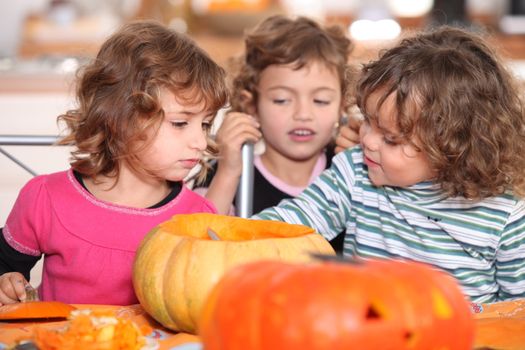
348, 135
12, 288
236, 129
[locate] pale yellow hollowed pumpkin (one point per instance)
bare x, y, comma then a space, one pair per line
177, 264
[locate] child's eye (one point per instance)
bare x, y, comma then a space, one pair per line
206, 126
321, 102
178, 123
389, 141
280, 101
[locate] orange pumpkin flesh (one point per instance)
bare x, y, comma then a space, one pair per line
373, 305
177, 264
230, 228
35, 309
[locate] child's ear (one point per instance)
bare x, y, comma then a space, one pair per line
247, 102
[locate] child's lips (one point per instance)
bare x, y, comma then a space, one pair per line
189, 163
369, 162
302, 134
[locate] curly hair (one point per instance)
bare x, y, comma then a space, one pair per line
118, 95
280, 40
455, 96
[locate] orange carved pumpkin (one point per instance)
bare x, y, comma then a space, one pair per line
178, 263
332, 305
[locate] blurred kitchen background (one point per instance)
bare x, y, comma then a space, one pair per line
43, 42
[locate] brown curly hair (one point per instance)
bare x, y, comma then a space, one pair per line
118, 95
280, 40
469, 115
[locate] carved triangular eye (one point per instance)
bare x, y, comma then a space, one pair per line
373, 313
409, 336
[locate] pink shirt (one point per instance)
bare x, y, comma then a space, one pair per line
293, 191
88, 244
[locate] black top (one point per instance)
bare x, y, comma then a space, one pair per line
12, 260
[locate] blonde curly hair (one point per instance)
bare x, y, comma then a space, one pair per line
118, 95
279, 40
469, 114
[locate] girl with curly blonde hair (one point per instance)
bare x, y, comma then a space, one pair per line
145, 104
292, 86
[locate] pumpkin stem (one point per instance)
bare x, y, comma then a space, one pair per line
213, 235
336, 258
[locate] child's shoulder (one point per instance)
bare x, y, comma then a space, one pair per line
505, 203
195, 202
349, 166
351, 156
47, 181
508, 202
35, 196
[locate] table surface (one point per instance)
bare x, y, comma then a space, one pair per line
499, 326
12, 332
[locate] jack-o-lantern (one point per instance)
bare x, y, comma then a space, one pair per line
377, 304
179, 261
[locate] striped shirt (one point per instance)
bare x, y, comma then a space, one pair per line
481, 243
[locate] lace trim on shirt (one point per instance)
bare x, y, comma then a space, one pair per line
17, 246
290, 190
125, 210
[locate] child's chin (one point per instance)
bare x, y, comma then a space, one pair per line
376, 181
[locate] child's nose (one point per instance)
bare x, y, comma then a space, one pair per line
303, 111
369, 138
199, 141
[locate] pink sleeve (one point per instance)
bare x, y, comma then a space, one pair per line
29, 218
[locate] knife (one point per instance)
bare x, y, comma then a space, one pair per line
31, 293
